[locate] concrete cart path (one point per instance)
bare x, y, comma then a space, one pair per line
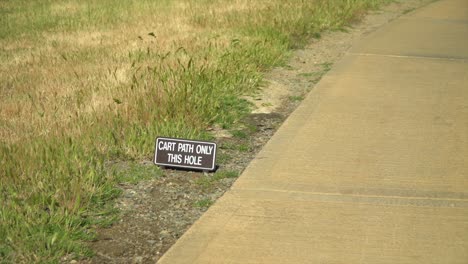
371, 168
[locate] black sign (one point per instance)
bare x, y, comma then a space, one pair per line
181, 153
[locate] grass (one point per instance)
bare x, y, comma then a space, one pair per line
86, 83
208, 181
242, 147
133, 172
203, 203
239, 134
222, 158
409, 10
296, 98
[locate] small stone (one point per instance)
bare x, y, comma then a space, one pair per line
138, 259
164, 233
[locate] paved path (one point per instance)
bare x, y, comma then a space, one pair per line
371, 168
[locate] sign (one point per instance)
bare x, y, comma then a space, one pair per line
181, 153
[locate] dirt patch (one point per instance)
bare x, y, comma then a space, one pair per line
158, 211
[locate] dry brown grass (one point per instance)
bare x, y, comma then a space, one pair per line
50, 81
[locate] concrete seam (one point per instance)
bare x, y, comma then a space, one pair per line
408, 56
359, 195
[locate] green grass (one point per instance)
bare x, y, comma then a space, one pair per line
242, 147
83, 85
307, 74
326, 66
239, 134
203, 203
208, 181
409, 10
134, 172
296, 98
222, 158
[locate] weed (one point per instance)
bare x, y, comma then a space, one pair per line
227, 174
133, 173
208, 181
307, 74
242, 147
409, 10
296, 98
203, 203
223, 158
239, 134
251, 128
228, 145
326, 66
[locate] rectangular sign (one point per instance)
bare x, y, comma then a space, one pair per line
182, 153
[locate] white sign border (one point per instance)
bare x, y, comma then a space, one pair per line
181, 166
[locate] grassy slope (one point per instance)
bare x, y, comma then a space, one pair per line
87, 82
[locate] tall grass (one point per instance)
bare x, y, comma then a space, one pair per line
88, 82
